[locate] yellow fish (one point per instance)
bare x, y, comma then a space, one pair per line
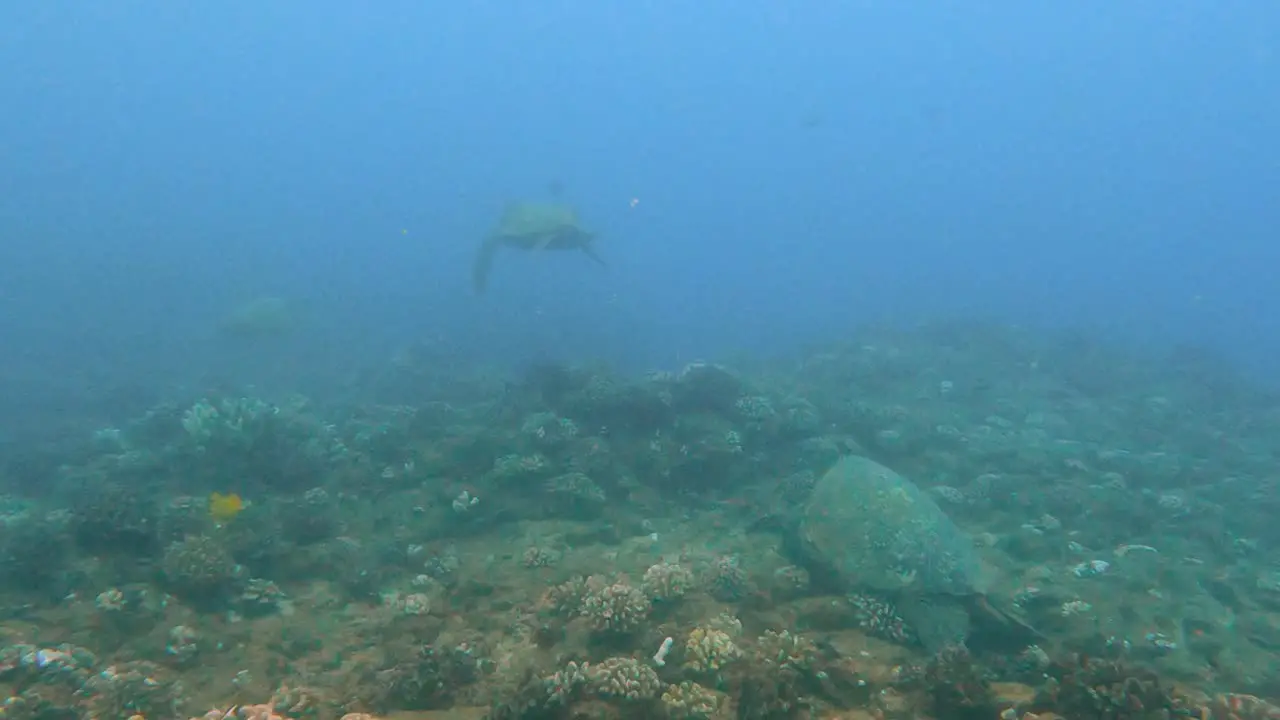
224, 508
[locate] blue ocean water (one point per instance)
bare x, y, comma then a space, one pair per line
760, 175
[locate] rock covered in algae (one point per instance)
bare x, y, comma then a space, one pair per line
876, 530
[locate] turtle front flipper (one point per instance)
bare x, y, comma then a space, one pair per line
591, 253
484, 263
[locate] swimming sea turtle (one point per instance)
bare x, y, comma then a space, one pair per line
532, 226
876, 531
260, 318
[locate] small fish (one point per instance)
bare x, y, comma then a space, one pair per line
224, 508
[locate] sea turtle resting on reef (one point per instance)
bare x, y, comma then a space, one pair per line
870, 529
532, 226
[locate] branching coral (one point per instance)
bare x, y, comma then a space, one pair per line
623, 678
726, 580
708, 651
430, 677
1238, 706
1106, 688
199, 569
786, 653
614, 606
566, 598
620, 678
115, 517
665, 582
955, 683
577, 485
691, 701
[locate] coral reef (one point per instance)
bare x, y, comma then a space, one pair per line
573, 542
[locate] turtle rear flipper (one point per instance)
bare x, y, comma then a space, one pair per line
544, 242
484, 263
1013, 623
